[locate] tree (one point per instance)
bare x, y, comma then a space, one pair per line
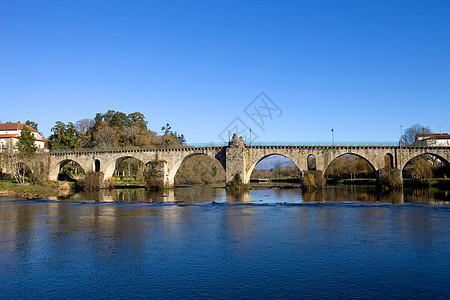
422, 168
166, 128
64, 136
105, 137
131, 134
138, 119
26, 144
85, 129
84, 125
182, 139
32, 124
98, 121
27, 162
410, 135
27, 149
351, 166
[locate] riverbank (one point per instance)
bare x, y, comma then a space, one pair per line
355, 181
42, 190
442, 183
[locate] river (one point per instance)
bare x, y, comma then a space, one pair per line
342, 242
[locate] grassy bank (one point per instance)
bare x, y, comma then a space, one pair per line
287, 179
42, 190
352, 181
443, 183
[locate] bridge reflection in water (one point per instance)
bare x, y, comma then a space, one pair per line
199, 195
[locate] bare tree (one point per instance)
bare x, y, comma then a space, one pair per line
84, 125
422, 168
85, 128
105, 137
410, 135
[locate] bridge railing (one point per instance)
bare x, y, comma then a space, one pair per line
223, 144
323, 143
136, 148
304, 143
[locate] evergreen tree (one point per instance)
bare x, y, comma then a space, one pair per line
33, 124
64, 136
26, 143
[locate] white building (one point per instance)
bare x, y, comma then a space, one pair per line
10, 132
433, 139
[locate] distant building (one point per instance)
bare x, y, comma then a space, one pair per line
10, 132
433, 139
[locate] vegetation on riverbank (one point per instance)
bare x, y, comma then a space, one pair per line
200, 170
442, 183
355, 181
43, 189
112, 129
278, 172
313, 180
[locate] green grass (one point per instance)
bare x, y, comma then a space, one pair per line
41, 190
286, 179
125, 180
434, 182
353, 181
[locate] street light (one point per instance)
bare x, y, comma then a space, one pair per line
400, 144
332, 135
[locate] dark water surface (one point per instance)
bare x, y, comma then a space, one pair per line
343, 242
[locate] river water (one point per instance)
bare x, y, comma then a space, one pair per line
343, 242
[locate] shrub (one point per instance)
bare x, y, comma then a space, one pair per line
390, 178
236, 183
92, 181
313, 180
154, 176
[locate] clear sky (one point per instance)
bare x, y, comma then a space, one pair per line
361, 67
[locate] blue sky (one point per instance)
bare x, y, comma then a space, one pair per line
361, 67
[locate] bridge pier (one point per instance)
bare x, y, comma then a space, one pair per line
237, 163
157, 175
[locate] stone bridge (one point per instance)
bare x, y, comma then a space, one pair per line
240, 159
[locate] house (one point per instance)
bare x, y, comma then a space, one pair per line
433, 139
10, 132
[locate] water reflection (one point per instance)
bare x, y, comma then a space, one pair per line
371, 194
357, 193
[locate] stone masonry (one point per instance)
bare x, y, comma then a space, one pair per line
238, 158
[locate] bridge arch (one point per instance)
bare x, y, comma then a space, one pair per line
112, 165
173, 168
255, 162
446, 164
411, 157
388, 160
311, 162
326, 170
55, 167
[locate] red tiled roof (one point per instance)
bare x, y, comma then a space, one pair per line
434, 136
7, 136
15, 126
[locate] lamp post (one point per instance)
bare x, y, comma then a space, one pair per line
250, 142
400, 144
332, 135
